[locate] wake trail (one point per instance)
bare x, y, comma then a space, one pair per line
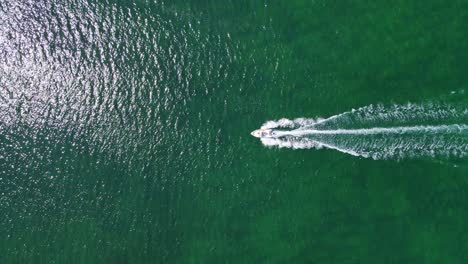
379, 132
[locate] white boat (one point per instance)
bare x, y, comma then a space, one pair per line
264, 133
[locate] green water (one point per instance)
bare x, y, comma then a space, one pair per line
124, 131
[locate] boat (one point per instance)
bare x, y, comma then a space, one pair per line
264, 133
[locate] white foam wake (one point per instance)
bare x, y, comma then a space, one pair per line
380, 132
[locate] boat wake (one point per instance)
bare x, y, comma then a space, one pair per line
379, 132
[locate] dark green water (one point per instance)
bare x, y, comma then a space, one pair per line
124, 131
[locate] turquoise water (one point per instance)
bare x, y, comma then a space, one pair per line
124, 131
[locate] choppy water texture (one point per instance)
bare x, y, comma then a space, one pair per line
124, 131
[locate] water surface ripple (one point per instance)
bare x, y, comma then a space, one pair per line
95, 100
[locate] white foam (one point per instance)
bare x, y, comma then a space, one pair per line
397, 131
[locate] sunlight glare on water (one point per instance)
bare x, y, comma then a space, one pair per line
125, 131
